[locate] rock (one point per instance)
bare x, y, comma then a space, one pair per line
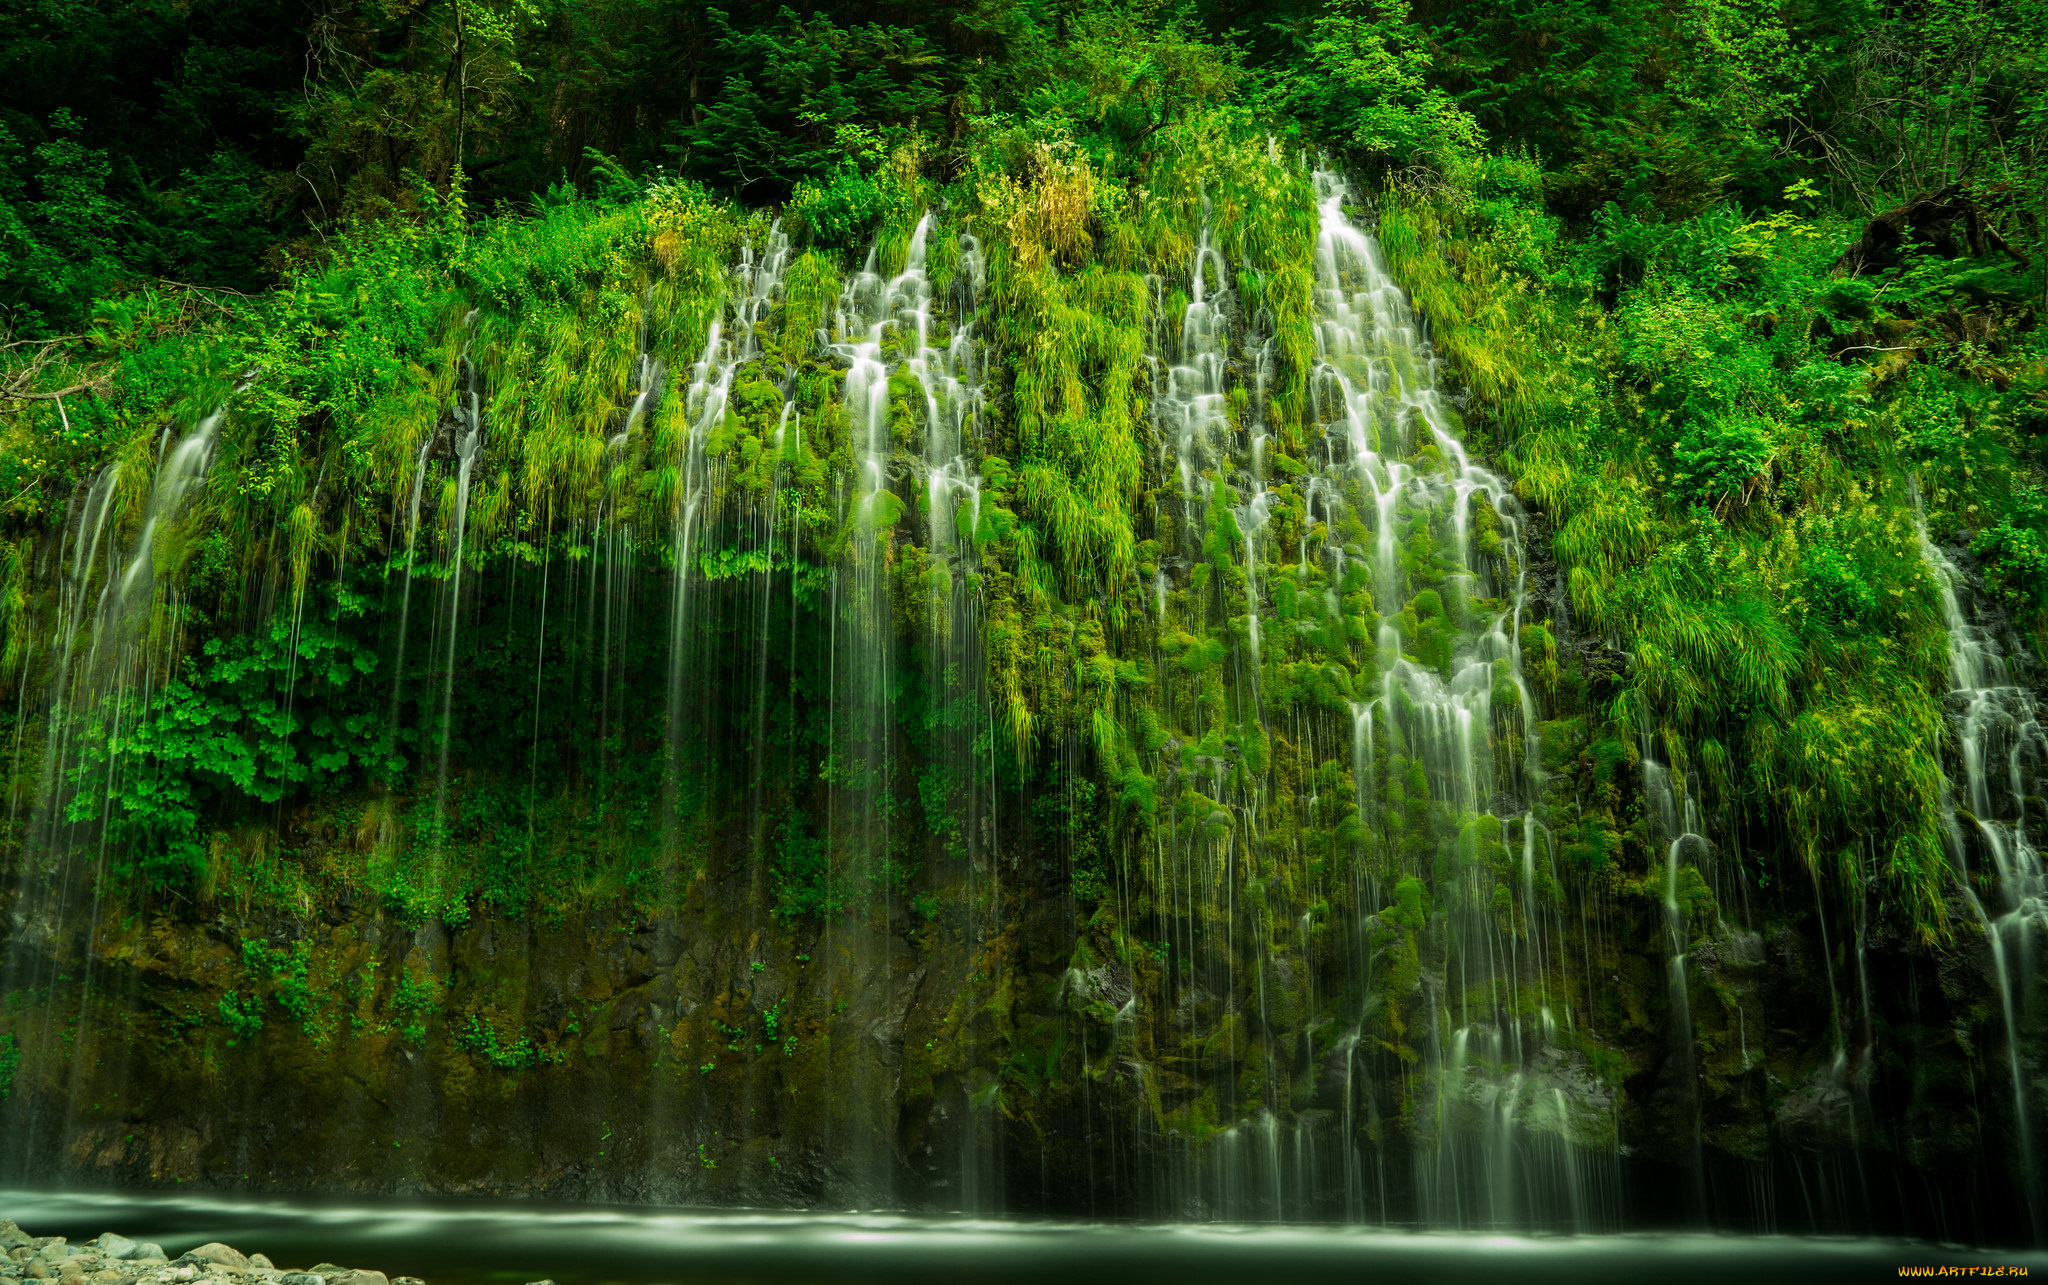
359, 1277
37, 1270
104, 1276
217, 1253
301, 1278
258, 1260
407, 1280
149, 1252
1819, 1114
12, 1236
116, 1247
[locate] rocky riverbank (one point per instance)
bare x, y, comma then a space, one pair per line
111, 1259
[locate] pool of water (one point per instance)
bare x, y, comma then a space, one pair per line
498, 1242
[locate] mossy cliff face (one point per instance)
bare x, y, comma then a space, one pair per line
1044, 708
687, 1058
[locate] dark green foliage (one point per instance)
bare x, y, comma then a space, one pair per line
285, 970
804, 97
805, 884
1372, 86
2015, 548
1840, 589
481, 1038
251, 720
242, 1014
1718, 457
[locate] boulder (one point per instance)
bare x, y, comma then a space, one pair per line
301, 1278
359, 1276
116, 1247
258, 1260
216, 1253
12, 1236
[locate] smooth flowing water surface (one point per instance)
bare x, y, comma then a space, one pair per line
450, 1243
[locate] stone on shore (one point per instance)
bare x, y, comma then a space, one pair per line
113, 1259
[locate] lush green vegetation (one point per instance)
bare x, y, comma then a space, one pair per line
1722, 419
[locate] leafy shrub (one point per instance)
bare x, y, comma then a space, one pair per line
415, 997
1365, 84
243, 1015
481, 1038
1838, 588
804, 881
840, 210
2015, 548
286, 970
252, 719
1717, 457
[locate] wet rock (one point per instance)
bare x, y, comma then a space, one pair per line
358, 1276
37, 1270
300, 1278
149, 1252
116, 1247
258, 1260
12, 1237
215, 1252
1819, 1113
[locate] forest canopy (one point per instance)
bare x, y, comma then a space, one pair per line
218, 142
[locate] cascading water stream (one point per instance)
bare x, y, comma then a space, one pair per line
95, 705
1511, 1124
469, 435
756, 289
2002, 746
1454, 702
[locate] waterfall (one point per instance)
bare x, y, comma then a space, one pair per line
1397, 523
2002, 745
756, 288
1273, 914
469, 437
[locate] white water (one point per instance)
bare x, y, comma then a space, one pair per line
2001, 745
